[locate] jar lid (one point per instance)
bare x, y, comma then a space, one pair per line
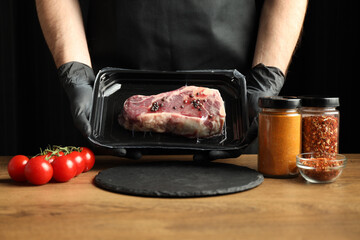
317, 101
281, 102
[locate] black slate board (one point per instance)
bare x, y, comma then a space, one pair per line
178, 179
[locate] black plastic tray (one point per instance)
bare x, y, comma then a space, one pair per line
114, 85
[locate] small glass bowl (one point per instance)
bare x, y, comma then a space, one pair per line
320, 168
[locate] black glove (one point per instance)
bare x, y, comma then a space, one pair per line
77, 80
262, 81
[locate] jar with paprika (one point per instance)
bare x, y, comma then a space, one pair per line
279, 136
320, 125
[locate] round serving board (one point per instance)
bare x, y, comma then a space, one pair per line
178, 179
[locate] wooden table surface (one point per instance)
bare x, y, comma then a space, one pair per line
277, 209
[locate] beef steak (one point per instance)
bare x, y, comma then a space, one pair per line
190, 111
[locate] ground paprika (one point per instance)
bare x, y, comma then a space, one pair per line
279, 136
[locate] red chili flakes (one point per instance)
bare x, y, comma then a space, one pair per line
323, 168
320, 134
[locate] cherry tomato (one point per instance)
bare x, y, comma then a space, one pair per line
38, 171
64, 168
16, 168
89, 158
79, 160
50, 157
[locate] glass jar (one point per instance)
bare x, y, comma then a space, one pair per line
320, 125
279, 136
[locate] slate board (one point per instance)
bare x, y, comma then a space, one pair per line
178, 179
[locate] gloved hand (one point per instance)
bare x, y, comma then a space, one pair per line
77, 80
262, 81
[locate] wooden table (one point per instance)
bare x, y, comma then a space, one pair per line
277, 209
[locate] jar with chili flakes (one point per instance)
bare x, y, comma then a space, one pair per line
320, 125
279, 136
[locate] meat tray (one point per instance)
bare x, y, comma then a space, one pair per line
114, 85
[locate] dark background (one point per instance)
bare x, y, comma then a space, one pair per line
34, 110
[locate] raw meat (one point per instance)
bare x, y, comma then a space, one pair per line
190, 111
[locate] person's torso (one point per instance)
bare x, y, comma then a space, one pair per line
172, 34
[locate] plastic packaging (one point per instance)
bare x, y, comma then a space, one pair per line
113, 86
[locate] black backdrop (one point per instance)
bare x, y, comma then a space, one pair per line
34, 110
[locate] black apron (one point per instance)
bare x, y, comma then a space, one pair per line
172, 34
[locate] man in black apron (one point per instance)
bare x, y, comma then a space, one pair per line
256, 38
